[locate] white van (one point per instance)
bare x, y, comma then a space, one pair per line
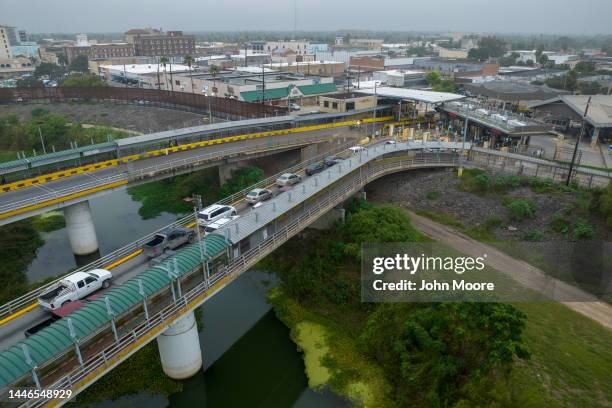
215, 212
214, 226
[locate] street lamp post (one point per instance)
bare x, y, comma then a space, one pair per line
578, 139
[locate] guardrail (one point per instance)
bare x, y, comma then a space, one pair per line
169, 165
146, 331
31, 297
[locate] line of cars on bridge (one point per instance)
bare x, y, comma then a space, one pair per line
75, 290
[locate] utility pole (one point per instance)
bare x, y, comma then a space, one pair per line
582, 129
42, 142
263, 84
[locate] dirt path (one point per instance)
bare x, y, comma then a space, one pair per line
520, 271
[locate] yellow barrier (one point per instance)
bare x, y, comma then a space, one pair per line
122, 160
61, 199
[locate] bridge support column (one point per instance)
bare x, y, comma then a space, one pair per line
308, 152
225, 170
179, 348
81, 229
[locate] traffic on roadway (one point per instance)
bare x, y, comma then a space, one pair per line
14, 330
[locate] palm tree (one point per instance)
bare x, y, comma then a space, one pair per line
189, 61
214, 70
164, 61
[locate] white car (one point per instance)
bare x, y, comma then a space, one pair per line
74, 287
214, 226
288, 179
357, 149
214, 212
390, 142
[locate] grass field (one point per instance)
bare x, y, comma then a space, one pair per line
571, 356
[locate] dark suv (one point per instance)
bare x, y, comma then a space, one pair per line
331, 160
314, 169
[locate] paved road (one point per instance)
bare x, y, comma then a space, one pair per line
520, 271
43, 190
13, 331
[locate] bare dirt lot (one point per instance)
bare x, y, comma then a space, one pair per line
131, 117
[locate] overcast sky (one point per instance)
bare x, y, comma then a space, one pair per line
528, 16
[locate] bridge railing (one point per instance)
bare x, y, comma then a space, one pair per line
541, 168
146, 331
31, 297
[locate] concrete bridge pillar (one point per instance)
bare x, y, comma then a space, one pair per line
179, 348
81, 229
308, 152
225, 170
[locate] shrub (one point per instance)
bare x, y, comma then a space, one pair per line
507, 182
475, 180
432, 195
541, 186
605, 204
583, 231
560, 224
482, 182
492, 222
521, 209
534, 235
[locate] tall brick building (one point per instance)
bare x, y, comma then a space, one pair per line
155, 43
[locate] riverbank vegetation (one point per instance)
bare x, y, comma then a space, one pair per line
142, 372
549, 225
445, 354
55, 130
169, 195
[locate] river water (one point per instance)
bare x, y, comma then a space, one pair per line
249, 358
117, 223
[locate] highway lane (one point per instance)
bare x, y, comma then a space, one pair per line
13, 331
45, 191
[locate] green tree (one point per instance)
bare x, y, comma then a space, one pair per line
446, 85
54, 72
543, 60
433, 78
509, 60
189, 61
488, 47
214, 71
437, 353
164, 61
80, 64
83, 80
29, 82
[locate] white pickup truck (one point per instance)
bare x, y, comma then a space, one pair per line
74, 287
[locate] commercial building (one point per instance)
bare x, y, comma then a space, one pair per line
10, 35
249, 86
144, 75
23, 36
320, 47
452, 53
300, 47
26, 49
5, 42
511, 95
323, 68
99, 51
369, 43
400, 78
571, 108
346, 102
151, 42
531, 57
12, 67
